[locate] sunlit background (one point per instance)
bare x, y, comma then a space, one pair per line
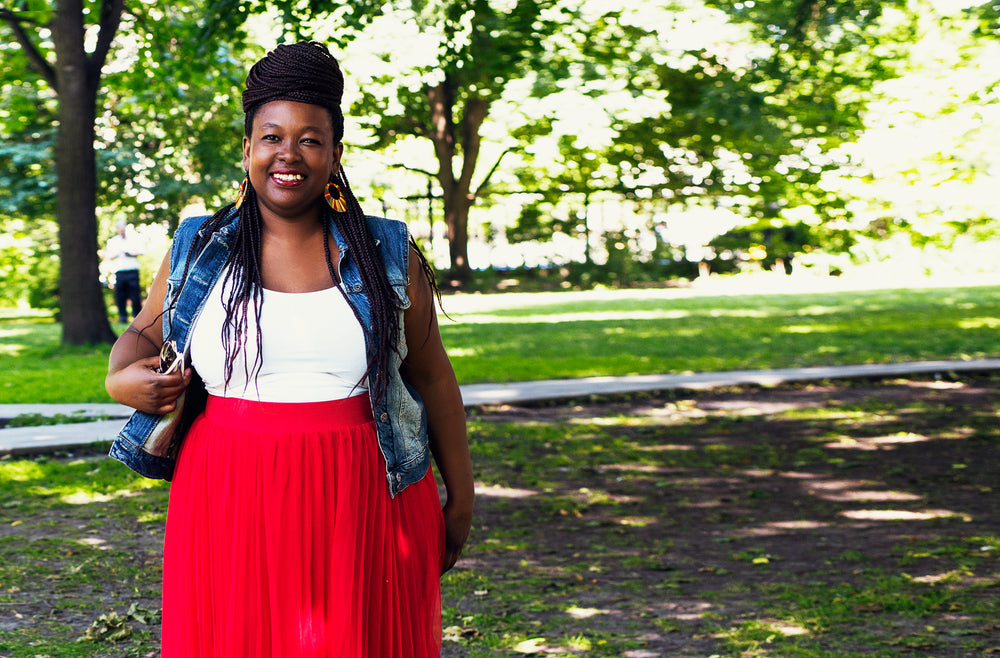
651, 142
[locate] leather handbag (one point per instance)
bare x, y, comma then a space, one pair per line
165, 439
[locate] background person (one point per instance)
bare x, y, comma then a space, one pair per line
304, 518
122, 255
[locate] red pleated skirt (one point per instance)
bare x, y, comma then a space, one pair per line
282, 540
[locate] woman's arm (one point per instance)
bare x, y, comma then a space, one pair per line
429, 370
132, 378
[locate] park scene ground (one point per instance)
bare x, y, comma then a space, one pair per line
824, 518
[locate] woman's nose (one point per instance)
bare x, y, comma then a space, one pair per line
289, 151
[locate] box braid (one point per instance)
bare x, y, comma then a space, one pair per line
242, 277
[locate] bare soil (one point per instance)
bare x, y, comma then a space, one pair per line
817, 491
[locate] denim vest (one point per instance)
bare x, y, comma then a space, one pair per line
400, 418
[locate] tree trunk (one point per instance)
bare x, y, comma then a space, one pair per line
456, 191
84, 313
456, 216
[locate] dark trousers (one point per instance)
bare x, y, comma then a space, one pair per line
127, 288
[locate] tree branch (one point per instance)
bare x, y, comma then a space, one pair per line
475, 113
111, 18
34, 55
414, 169
486, 181
440, 98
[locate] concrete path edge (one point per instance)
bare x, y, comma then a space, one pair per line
50, 438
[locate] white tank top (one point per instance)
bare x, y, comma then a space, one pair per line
313, 348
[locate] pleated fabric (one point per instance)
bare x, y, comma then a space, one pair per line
282, 540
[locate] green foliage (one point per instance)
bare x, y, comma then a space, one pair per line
172, 129
29, 264
765, 244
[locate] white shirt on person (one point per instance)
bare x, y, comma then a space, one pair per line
313, 348
121, 252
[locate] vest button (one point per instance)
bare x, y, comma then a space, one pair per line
384, 417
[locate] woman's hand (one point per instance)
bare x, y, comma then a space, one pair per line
139, 386
457, 523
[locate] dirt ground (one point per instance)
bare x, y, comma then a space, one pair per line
861, 515
758, 505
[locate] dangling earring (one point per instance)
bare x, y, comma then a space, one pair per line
242, 193
335, 198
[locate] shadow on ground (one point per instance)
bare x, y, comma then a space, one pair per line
813, 520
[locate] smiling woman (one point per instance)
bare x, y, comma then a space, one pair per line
304, 518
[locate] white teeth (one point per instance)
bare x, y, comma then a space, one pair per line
288, 177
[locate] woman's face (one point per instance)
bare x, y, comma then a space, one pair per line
290, 156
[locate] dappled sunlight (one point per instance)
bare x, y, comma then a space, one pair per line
22, 471
638, 521
666, 447
773, 626
702, 504
739, 313
779, 528
870, 496
820, 310
95, 542
85, 497
497, 491
903, 515
798, 475
80, 497
463, 351
786, 627
876, 442
11, 349
797, 525
936, 385
750, 408
979, 323
934, 577
582, 316
632, 468
854, 490
611, 421
585, 613
805, 329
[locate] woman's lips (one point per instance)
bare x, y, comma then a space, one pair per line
287, 179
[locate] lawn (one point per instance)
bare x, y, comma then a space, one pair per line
501, 338
826, 520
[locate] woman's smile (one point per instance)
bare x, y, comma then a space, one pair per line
287, 178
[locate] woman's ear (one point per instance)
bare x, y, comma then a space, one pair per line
338, 153
246, 153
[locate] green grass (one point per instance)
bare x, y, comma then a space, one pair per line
716, 333
529, 337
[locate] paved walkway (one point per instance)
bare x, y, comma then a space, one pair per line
22, 440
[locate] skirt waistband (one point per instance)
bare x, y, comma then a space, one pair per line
254, 416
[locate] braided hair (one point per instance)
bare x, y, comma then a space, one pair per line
306, 73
